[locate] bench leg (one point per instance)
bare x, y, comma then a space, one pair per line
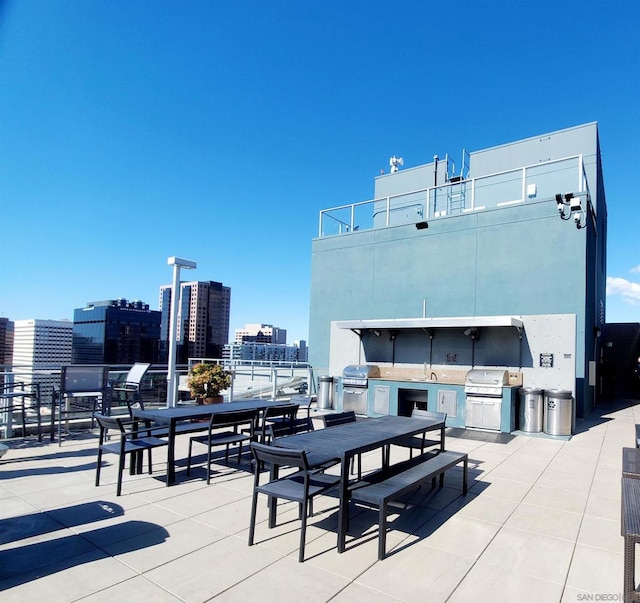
629, 570
465, 474
382, 531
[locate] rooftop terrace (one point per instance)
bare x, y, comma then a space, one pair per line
541, 522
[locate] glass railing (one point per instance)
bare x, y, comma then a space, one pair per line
532, 183
265, 379
153, 387
251, 379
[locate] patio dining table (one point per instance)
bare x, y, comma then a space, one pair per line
194, 412
344, 442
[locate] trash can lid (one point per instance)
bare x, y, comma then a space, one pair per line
325, 378
558, 393
530, 390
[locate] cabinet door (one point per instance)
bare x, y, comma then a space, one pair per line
491, 414
381, 399
448, 402
474, 412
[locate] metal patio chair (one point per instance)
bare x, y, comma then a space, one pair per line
12, 399
130, 442
299, 487
276, 414
129, 390
83, 389
421, 441
340, 418
232, 422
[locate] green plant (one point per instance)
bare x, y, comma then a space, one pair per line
208, 380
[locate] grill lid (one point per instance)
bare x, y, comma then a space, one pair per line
494, 377
486, 382
359, 371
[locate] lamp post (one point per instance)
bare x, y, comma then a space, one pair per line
172, 385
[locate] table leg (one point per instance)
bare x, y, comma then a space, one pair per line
171, 453
343, 514
442, 438
38, 412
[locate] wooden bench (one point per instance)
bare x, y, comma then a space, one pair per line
380, 488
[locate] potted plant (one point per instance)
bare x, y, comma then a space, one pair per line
207, 380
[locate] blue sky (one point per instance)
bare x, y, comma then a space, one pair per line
217, 131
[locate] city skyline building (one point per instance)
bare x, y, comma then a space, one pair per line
265, 352
39, 345
303, 350
203, 320
260, 333
6, 340
116, 332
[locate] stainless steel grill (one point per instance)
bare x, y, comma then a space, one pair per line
355, 384
486, 382
483, 396
357, 375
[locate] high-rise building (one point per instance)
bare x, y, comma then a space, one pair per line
116, 332
6, 341
261, 333
303, 350
203, 320
38, 346
266, 352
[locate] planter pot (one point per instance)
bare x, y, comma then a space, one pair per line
214, 400
202, 400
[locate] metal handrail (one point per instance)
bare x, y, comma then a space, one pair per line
432, 192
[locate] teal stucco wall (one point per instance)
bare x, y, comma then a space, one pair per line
512, 260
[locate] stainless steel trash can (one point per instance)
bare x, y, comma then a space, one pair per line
558, 412
531, 409
325, 392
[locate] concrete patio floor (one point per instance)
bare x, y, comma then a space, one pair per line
541, 522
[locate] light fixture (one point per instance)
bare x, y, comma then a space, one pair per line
172, 383
422, 225
377, 332
473, 333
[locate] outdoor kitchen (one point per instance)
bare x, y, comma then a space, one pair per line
472, 368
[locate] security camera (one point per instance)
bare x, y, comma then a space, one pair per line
575, 204
577, 217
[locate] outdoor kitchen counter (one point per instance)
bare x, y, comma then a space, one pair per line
442, 381
395, 396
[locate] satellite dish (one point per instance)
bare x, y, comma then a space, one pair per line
394, 162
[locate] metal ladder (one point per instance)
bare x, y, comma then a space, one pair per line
456, 191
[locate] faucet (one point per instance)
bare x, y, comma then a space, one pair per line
433, 376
